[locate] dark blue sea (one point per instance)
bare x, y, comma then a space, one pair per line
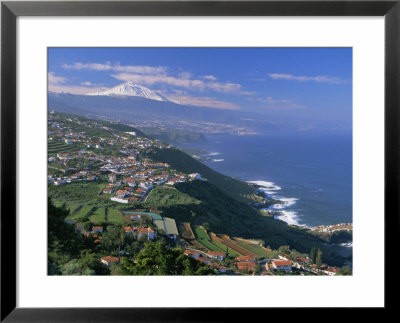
312, 175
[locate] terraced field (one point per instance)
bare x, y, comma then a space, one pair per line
224, 239
185, 231
224, 247
204, 239
55, 147
258, 250
198, 246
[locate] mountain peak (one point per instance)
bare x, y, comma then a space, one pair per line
132, 89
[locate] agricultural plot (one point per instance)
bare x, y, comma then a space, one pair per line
224, 239
197, 245
82, 212
114, 216
55, 147
224, 247
185, 231
204, 239
258, 250
97, 216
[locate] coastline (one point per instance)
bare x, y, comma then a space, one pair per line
308, 180
273, 203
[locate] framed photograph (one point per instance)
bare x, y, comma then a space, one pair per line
178, 154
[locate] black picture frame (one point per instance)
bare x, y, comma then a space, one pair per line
10, 10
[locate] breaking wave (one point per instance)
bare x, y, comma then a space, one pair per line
270, 189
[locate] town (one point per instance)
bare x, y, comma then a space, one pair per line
109, 166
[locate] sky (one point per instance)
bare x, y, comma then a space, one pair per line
304, 83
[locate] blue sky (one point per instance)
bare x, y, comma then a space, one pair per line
304, 83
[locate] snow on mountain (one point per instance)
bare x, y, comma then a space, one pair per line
132, 89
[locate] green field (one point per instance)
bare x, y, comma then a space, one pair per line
259, 251
57, 146
77, 193
97, 215
114, 216
223, 247
167, 196
202, 237
81, 212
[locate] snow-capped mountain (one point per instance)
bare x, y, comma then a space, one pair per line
132, 89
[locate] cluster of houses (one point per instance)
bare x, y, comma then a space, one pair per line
333, 228
209, 259
140, 232
79, 176
131, 178
283, 264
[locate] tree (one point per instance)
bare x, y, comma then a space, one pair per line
62, 238
318, 260
91, 261
88, 226
344, 271
284, 249
158, 259
112, 239
74, 268
206, 226
313, 255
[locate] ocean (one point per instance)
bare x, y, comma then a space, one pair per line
310, 175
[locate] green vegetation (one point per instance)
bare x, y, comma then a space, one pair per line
77, 193
158, 259
82, 213
66, 252
259, 251
221, 204
344, 271
225, 248
226, 215
204, 239
97, 216
184, 163
168, 196
114, 216
58, 146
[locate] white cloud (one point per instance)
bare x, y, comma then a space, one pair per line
141, 69
184, 98
318, 79
210, 77
150, 75
74, 89
87, 83
166, 79
53, 79
187, 83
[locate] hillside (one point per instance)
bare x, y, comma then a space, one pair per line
208, 204
79, 176
184, 163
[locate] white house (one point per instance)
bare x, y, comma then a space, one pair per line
216, 254
283, 265
119, 200
146, 185
149, 232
